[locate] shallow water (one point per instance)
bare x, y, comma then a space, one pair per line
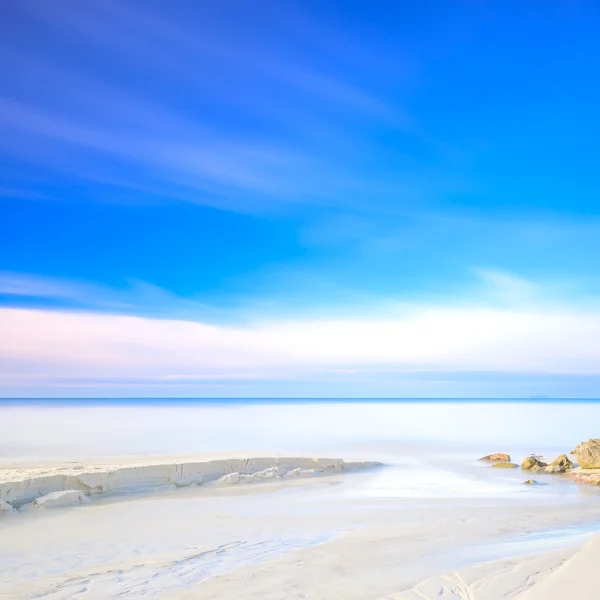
529, 544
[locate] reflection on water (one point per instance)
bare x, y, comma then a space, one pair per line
460, 477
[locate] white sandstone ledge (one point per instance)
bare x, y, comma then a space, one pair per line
70, 486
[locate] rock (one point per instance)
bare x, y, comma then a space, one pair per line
264, 475
293, 473
307, 472
554, 469
505, 465
531, 482
58, 499
229, 479
580, 476
588, 454
562, 461
270, 473
531, 463
498, 457
301, 473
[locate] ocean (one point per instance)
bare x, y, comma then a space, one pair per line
94, 428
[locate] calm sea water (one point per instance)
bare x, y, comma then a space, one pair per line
84, 428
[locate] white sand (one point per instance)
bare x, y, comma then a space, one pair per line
567, 574
497, 580
320, 538
55, 485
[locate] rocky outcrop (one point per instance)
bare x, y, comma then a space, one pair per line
591, 476
505, 465
28, 488
555, 470
58, 499
498, 457
588, 454
563, 462
272, 473
229, 479
531, 463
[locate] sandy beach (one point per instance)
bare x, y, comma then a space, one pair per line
336, 533
313, 507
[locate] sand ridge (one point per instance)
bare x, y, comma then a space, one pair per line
22, 486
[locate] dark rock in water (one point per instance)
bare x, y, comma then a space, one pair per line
588, 454
531, 482
531, 463
562, 461
498, 457
505, 465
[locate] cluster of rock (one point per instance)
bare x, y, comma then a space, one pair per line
499, 461
586, 453
561, 464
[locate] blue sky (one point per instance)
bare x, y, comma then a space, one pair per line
281, 181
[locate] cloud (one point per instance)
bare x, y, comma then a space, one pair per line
141, 339
36, 286
149, 36
133, 297
82, 349
194, 160
285, 125
509, 287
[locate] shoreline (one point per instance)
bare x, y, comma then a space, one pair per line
320, 535
59, 486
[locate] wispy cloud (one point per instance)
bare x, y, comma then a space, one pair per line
133, 297
231, 164
297, 131
149, 36
296, 293
509, 287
